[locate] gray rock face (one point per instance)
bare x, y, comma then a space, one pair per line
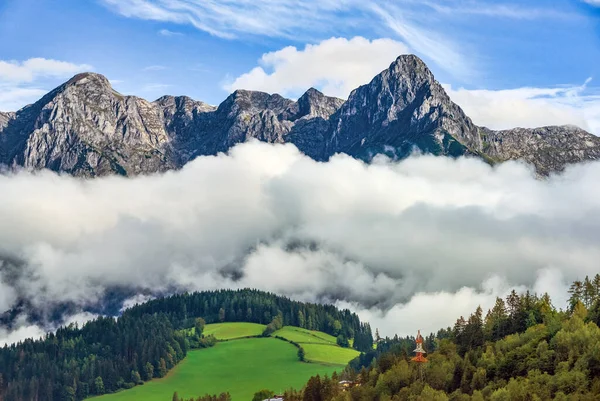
4, 119
86, 128
549, 149
402, 108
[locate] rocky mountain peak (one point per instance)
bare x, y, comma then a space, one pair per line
409, 65
401, 109
88, 77
88, 82
174, 104
86, 128
253, 101
314, 103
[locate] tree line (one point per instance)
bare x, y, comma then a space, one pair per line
259, 307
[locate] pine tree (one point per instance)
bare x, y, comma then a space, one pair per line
135, 377
301, 354
199, 326
149, 370
576, 291
588, 294
162, 368
99, 386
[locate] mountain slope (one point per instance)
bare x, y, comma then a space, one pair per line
5, 118
400, 108
86, 128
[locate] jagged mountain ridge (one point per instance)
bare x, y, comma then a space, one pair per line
84, 127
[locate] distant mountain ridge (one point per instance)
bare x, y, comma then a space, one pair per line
85, 128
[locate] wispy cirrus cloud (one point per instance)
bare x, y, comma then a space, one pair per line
420, 24
495, 9
167, 32
416, 23
230, 18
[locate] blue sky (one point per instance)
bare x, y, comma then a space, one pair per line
502, 52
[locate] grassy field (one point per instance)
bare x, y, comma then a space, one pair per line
323, 353
241, 367
303, 336
230, 331
318, 347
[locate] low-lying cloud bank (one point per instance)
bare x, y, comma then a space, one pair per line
411, 244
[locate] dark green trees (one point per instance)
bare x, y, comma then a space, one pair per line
99, 386
257, 307
301, 354
103, 356
199, 326
262, 395
149, 370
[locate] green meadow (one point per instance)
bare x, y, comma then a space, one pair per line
242, 366
303, 336
318, 347
230, 331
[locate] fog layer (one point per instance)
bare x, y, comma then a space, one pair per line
410, 244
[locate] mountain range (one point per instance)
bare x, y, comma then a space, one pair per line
86, 128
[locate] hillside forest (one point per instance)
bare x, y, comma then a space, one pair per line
523, 349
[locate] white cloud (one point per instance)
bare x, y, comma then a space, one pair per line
166, 32
135, 300
335, 65
388, 238
13, 98
20, 81
531, 107
20, 333
430, 312
35, 68
592, 2
23, 330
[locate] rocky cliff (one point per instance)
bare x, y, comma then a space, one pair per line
86, 128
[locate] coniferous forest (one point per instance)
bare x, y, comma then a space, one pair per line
108, 354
